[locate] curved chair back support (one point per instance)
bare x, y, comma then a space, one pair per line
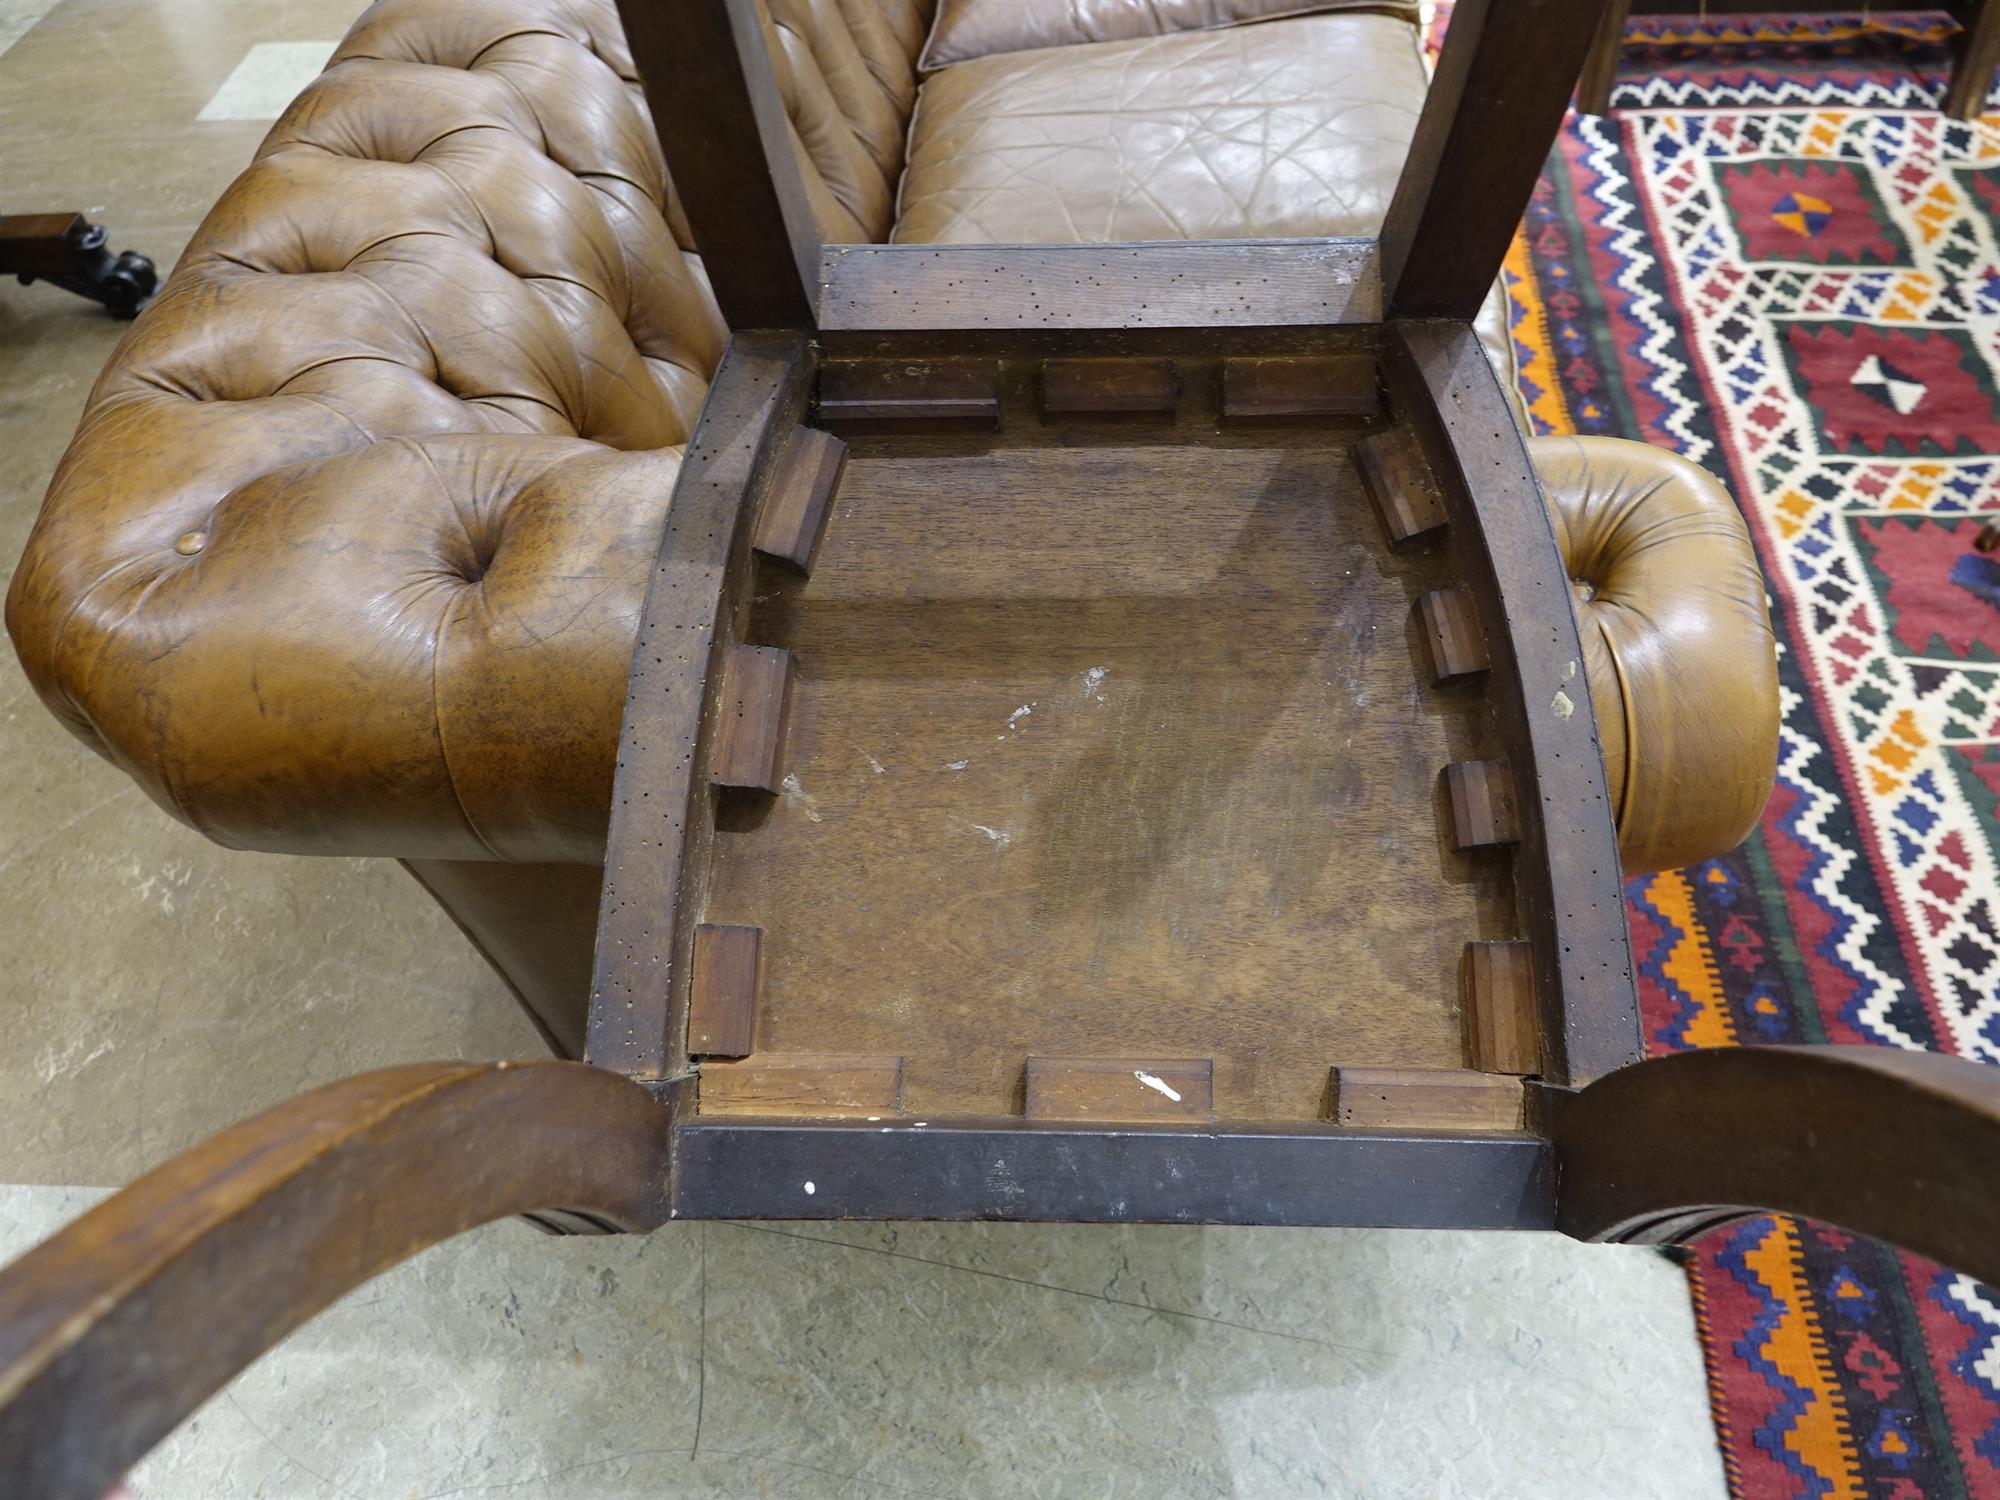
121, 1325
1898, 1145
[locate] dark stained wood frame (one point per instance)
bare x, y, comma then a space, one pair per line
1904, 1146
1610, 1147
693, 613
728, 148
1567, 866
112, 1332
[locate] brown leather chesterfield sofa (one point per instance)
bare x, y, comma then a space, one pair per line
348, 551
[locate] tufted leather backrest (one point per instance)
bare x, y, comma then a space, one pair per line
369, 496
847, 73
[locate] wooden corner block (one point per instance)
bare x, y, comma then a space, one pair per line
800, 497
905, 395
1401, 484
1503, 1031
1296, 387
805, 1085
1109, 387
1131, 1089
1423, 1099
750, 720
1482, 804
722, 991
1450, 619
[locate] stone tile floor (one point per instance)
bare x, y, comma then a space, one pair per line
156, 988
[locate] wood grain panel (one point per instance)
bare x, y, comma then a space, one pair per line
1124, 1089
1109, 387
1423, 1099
794, 513
1297, 387
722, 1003
825, 1087
1401, 485
663, 806
1162, 284
1502, 1026
1112, 744
1450, 622
1568, 879
1482, 804
750, 718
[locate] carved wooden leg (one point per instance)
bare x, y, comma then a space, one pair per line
117, 1328
75, 255
1904, 1146
1976, 56
1600, 69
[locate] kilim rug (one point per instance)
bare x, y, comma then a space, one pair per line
1778, 259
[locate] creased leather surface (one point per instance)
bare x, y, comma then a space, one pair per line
1677, 644
348, 552
413, 398
847, 73
1289, 128
968, 29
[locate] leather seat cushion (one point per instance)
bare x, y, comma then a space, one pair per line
1290, 128
968, 29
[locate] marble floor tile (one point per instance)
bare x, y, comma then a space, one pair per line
158, 987
777, 1360
18, 17
269, 78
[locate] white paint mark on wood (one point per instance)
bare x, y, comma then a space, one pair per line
1093, 682
1157, 1084
880, 769
1014, 719
956, 765
799, 797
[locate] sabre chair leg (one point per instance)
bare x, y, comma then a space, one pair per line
1600, 68
1903, 1146
113, 1332
1975, 58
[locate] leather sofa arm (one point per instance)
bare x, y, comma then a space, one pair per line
1677, 644
416, 648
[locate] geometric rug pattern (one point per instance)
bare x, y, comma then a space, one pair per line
1779, 259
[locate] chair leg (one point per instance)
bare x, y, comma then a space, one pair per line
115, 1330
537, 926
1903, 1146
65, 250
1976, 57
1600, 69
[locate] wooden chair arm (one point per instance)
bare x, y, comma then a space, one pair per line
1903, 1146
118, 1327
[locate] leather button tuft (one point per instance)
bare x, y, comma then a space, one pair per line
191, 542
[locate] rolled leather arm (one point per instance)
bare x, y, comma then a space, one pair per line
1677, 644
415, 649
